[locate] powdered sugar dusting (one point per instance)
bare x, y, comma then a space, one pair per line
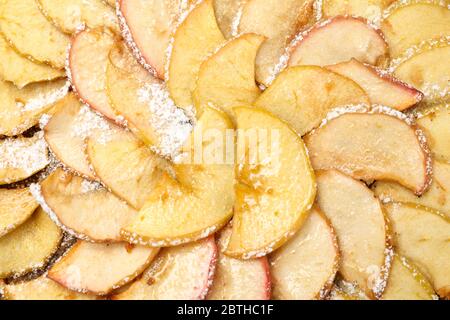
87, 123
44, 99
236, 21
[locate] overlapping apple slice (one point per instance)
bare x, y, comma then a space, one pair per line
193, 41
29, 246
99, 268
339, 39
276, 184
298, 271
409, 23
178, 273
199, 200
362, 230
28, 31
372, 10
237, 279
220, 85
228, 15
372, 144
290, 98
422, 235
382, 88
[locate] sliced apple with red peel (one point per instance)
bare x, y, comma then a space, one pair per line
362, 230
276, 185
289, 97
84, 209
422, 235
220, 85
279, 24
146, 27
228, 15
408, 25
372, 144
298, 271
372, 10
382, 88
99, 268
197, 37
237, 279
200, 200
16, 206
183, 272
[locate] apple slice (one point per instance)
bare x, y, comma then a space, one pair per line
88, 58
298, 271
146, 27
372, 10
28, 31
372, 144
276, 185
339, 39
99, 268
290, 98
22, 157
238, 279
30, 246
218, 83
382, 88
338, 293
112, 3
421, 235
406, 282
196, 38
362, 230
279, 24
411, 23
179, 273
200, 200
72, 15
228, 15
16, 206
83, 209
22, 108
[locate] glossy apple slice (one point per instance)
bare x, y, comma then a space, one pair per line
290, 98
197, 37
362, 230
228, 15
16, 206
276, 185
238, 279
200, 200
178, 273
100, 268
298, 271
372, 10
372, 144
220, 85
381, 87
421, 235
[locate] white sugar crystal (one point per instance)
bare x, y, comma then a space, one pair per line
87, 122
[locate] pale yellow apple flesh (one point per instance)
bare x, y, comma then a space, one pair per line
228, 15
372, 10
16, 206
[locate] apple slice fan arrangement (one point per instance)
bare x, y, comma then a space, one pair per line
225, 149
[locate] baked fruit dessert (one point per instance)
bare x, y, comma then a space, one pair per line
225, 150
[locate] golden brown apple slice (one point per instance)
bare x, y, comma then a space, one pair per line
382, 88
276, 185
279, 24
16, 206
372, 10
22, 71
406, 282
22, 108
199, 201
227, 78
339, 39
30, 246
362, 230
411, 23
178, 273
193, 41
22, 157
30, 33
372, 144
99, 268
228, 15
236, 279
422, 235
298, 271
146, 27
82, 208
290, 98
